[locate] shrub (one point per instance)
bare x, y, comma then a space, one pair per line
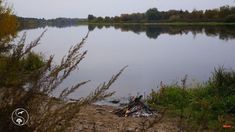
32, 62
204, 107
170, 96
46, 112
230, 18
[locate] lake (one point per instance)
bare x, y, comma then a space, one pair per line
152, 53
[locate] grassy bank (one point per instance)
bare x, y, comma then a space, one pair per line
205, 107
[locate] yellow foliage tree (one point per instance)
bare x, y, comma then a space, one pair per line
8, 24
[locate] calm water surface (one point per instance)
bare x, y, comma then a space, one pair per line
153, 54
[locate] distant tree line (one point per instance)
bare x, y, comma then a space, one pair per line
26, 23
222, 14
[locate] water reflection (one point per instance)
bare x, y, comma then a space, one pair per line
153, 31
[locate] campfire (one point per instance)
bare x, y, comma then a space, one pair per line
135, 108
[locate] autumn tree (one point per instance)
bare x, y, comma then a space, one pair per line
8, 25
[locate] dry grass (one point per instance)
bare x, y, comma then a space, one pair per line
48, 113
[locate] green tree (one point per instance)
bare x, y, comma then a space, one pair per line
107, 19
91, 17
153, 14
230, 18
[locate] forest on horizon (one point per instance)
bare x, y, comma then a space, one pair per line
224, 14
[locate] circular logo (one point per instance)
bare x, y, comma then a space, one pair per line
20, 116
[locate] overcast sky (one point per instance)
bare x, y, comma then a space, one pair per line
81, 8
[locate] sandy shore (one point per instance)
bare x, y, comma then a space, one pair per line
102, 119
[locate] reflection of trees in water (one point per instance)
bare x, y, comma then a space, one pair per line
91, 27
100, 26
224, 33
153, 31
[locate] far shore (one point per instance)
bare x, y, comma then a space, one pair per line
163, 23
